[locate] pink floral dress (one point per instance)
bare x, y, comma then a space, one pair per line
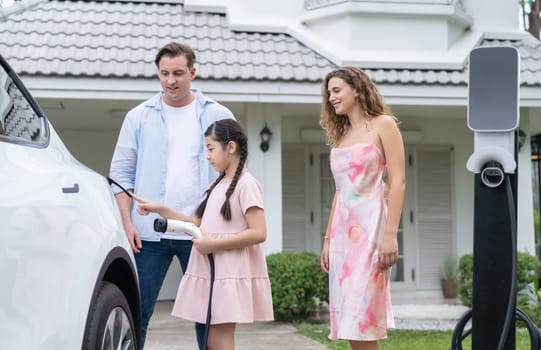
359, 293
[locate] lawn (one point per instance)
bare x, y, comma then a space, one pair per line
402, 339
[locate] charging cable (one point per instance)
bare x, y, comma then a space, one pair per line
165, 225
178, 226
535, 336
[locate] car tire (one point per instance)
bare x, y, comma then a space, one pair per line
110, 322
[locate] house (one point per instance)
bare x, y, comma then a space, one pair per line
89, 62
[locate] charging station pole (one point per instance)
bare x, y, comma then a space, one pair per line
494, 118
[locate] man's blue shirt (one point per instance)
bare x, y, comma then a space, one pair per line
140, 156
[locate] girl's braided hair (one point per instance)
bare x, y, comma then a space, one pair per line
224, 131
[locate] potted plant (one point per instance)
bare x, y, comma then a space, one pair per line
449, 272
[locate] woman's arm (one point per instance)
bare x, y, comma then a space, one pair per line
254, 234
393, 148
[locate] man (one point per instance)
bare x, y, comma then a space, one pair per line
160, 155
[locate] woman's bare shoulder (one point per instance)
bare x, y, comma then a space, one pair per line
385, 123
384, 119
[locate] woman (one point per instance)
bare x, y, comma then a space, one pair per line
367, 162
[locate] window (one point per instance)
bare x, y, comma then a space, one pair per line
18, 117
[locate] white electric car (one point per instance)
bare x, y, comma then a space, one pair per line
67, 273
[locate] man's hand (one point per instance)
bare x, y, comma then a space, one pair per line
133, 237
124, 205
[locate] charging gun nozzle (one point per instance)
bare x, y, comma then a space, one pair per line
160, 225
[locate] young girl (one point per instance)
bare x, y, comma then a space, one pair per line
361, 239
232, 221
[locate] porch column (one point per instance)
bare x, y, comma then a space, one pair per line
525, 219
267, 166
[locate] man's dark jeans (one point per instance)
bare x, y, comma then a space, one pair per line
152, 264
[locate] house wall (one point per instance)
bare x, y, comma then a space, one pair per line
447, 130
95, 147
388, 32
502, 15
300, 125
453, 132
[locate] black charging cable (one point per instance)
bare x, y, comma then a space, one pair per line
113, 182
535, 336
211, 263
209, 309
513, 287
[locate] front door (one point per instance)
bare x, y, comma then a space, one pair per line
429, 211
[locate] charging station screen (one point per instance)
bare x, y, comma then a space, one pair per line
493, 89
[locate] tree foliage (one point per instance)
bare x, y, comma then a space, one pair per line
531, 9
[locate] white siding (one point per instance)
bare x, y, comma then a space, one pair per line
434, 214
294, 198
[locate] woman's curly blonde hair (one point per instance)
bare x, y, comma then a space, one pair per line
370, 100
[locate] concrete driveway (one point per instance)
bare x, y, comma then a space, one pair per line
170, 333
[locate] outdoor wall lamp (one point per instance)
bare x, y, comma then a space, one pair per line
265, 134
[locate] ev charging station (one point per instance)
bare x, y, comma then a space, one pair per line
493, 116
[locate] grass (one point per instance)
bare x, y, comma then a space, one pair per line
402, 339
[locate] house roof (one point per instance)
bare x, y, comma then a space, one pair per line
120, 39
110, 39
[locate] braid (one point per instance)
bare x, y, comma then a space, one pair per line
201, 209
224, 131
226, 207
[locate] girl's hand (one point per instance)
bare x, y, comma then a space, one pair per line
388, 252
204, 245
146, 207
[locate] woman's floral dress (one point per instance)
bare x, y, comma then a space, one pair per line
359, 292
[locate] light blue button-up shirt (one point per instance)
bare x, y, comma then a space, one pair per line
140, 157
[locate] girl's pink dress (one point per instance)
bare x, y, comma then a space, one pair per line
359, 293
242, 291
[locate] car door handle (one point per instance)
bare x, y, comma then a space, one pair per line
72, 189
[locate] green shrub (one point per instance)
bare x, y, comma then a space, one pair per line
533, 311
527, 269
297, 282
465, 279
527, 272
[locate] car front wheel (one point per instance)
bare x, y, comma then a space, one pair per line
110, 325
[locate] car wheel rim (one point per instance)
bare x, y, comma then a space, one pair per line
118, 334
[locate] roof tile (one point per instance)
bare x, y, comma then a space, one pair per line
120, 39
